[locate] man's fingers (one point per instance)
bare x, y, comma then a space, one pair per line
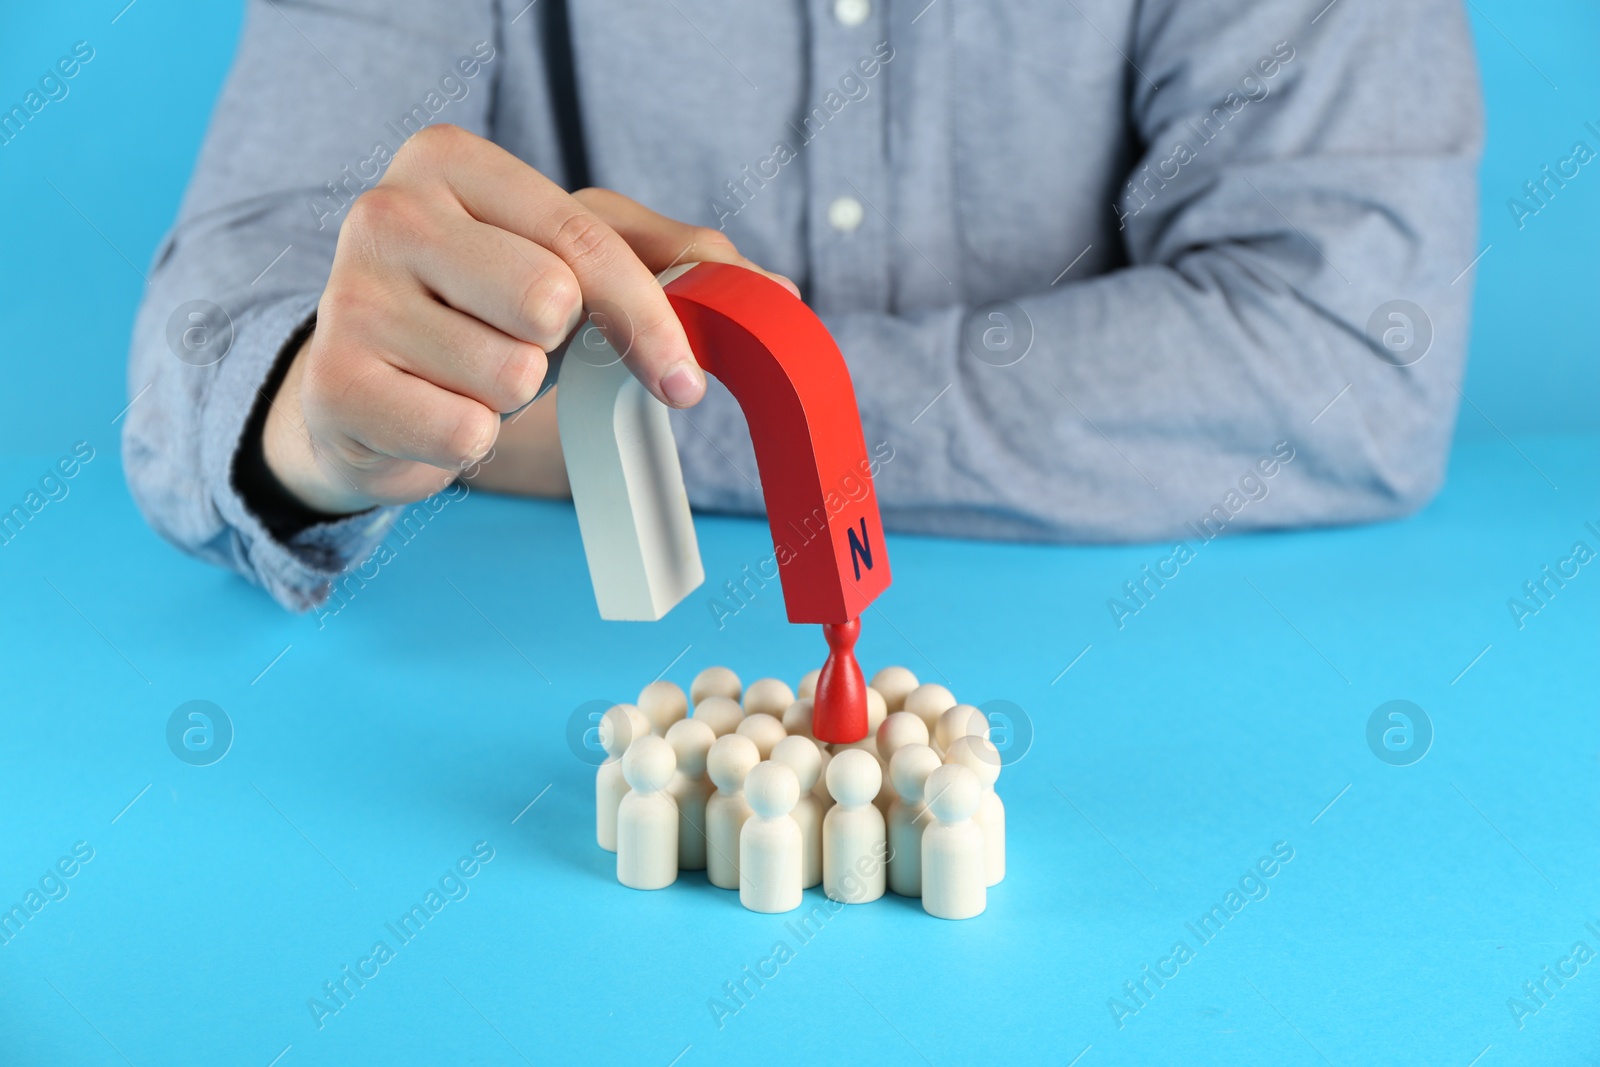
392, 413
662, 242
458, 352
502, 279
497, 188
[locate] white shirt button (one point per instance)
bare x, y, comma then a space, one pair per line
845, 214
852, 12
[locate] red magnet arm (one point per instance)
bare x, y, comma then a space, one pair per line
790, 380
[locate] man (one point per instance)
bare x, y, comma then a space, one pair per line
1092, 264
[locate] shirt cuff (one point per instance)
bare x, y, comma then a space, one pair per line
298, 570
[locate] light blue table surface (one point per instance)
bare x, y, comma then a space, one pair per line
373, 751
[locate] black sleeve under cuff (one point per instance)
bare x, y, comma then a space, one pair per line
279, 510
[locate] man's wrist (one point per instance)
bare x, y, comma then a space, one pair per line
256, 476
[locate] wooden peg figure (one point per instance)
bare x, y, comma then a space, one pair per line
722, 714
663, 703
729, 762
797, 718
895, 683
768, 695
801, 755
647, 819
962, 720
764, 730
824, 797
854, 842
691, 741
715, 682
908, 816
952, 848
979, 755
839, 711
928, 702
770, 852
898, 730
619, 727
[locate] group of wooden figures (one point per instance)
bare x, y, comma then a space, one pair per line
741, 789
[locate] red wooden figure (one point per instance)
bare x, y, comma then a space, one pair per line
839, 707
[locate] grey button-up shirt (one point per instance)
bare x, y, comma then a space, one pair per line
1097, 266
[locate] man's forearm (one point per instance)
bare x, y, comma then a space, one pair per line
281, 164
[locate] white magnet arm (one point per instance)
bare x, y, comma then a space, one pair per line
627, 484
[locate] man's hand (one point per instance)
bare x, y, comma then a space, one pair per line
452, 279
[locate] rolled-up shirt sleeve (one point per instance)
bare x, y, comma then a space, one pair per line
319, 99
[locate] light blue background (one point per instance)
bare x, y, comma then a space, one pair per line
374, 750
